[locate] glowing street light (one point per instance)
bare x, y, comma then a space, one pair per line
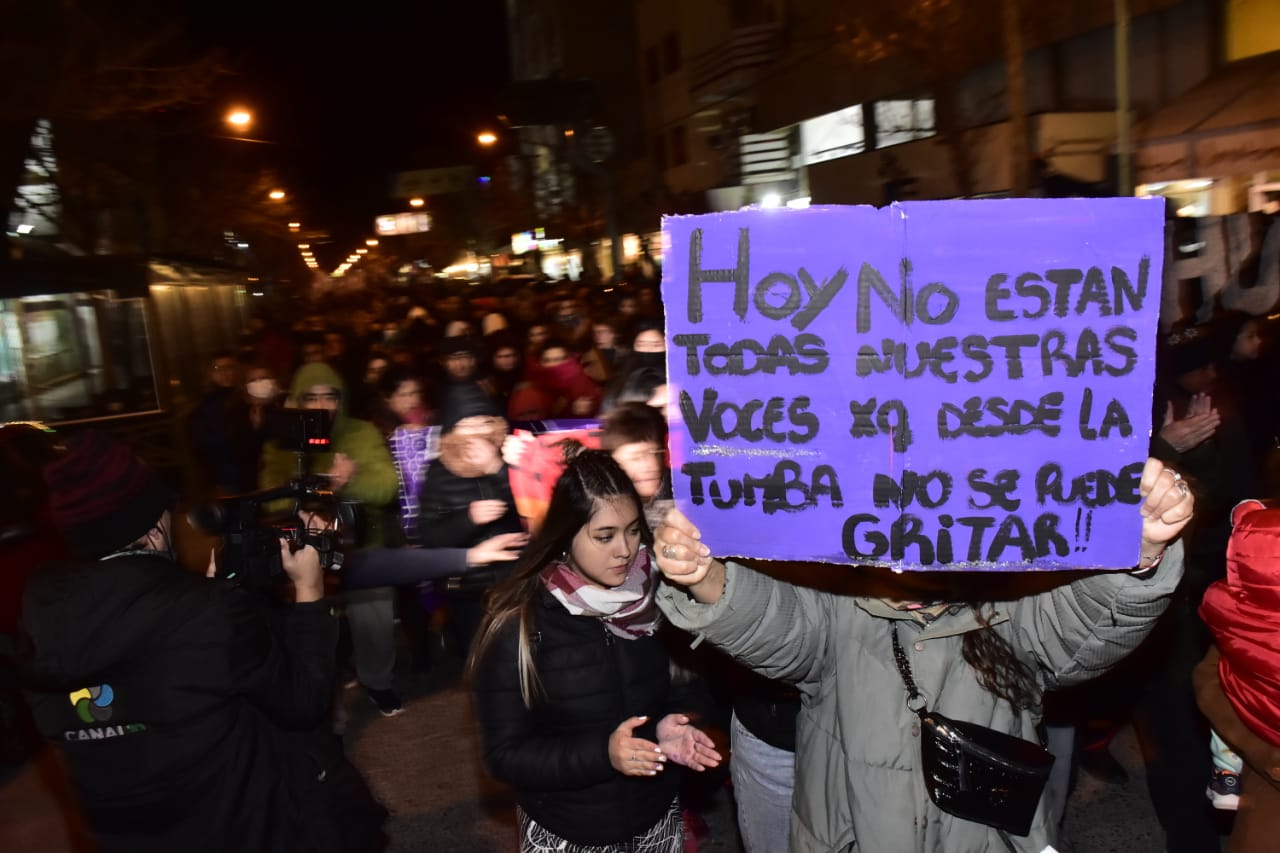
362, 251
416, 202
294, 226
304, 245
486, 138
239, 118
276, 195
371, 242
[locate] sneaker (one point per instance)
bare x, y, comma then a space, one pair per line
386, 701
1224, 790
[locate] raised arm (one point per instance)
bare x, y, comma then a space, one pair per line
1082, 629
777, 629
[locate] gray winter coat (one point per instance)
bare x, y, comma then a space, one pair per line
858, 783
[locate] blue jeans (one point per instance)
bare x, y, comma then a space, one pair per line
763, 777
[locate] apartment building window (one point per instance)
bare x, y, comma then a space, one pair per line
903, 121
671, 52
660, 152
827, 137
679, 146
652, 68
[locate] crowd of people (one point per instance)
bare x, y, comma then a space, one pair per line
583, 624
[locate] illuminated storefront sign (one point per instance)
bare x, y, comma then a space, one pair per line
402, 223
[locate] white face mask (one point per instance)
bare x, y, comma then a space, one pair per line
262, 389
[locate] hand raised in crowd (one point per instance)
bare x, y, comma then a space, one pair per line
513, 447
631, 755
497, 549
1196, 427
686, 744
341, 471
684, 559
483, 512
1167, 507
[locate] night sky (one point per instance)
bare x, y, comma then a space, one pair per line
352, 97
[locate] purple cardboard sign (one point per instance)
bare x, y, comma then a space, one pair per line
953, 384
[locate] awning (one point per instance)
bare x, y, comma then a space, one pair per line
45, 270
1227, 125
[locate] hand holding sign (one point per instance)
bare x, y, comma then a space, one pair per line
1168, 506
685, 560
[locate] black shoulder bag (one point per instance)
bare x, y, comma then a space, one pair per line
974, 772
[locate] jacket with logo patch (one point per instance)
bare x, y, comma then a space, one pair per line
183, 712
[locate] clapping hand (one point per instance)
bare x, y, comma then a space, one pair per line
631, 755
1195, 427
686, 744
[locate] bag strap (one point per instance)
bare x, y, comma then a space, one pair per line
915, 701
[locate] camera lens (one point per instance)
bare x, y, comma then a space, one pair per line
210, 518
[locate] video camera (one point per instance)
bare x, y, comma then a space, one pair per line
251, 541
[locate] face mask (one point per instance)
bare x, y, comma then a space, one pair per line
657, 360
262, 389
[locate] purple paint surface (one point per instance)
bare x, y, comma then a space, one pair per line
953, 384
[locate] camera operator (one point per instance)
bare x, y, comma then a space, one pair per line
187, 708
359, 468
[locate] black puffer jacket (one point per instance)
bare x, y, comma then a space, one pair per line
186, 717
556, 754
446, 503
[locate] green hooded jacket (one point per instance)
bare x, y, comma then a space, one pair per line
374, 483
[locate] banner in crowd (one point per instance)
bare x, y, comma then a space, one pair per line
534, 453
958, 384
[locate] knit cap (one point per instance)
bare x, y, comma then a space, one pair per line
103, 496
466, 400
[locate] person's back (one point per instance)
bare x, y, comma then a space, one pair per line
185, 707
173, 701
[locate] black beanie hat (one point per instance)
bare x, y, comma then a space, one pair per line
466, 400
103, 496
1189, 350
457, 344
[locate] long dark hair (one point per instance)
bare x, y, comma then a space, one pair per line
590, 477
997, 665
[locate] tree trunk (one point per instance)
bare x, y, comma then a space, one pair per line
946, 118
1016, 82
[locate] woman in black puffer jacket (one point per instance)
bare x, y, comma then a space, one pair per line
576, 703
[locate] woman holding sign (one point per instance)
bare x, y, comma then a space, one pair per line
577, 706
920, 707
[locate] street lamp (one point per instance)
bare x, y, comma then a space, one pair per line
276, 195
486, 138
240, 119
416, 202
371, 242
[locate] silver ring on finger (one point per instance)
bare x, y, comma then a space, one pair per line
669, 552
1176, 476
1183, 488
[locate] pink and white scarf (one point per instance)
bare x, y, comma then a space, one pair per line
627, 610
